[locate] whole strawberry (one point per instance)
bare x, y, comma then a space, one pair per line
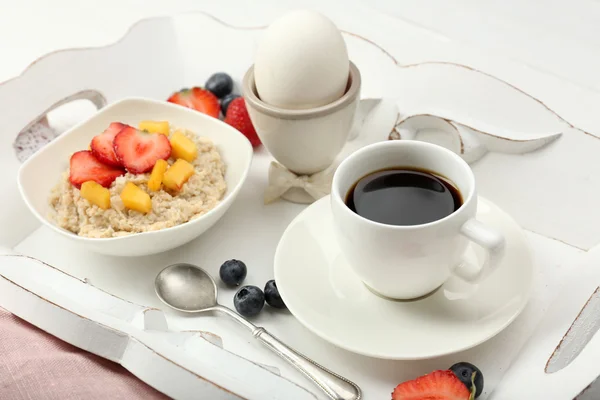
237, 116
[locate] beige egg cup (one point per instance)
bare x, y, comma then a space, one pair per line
304, 142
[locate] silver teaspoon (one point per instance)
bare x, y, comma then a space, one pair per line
188, 288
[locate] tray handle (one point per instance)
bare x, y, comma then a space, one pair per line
38, 132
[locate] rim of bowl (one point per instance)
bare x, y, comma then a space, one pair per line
250, 94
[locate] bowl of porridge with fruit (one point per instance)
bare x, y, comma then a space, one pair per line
139, 177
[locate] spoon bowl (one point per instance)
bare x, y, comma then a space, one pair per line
186, 287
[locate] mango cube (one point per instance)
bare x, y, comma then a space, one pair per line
183, 147
96, 194
156, 177
178, 174
161, 127
136, 199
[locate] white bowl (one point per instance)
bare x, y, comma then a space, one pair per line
40, 173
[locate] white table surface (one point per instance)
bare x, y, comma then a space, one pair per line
558, 42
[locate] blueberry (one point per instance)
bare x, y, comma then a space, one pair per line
272, 295
226, 100
249, 300
464, 372
220, 84
233, 272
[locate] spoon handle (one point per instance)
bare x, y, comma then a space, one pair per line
334, 385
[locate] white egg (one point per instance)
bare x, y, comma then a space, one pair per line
301, 62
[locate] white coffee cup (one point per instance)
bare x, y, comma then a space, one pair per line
406, 262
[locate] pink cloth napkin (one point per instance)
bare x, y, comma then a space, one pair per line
37, 366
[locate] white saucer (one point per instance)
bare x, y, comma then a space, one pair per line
323, 293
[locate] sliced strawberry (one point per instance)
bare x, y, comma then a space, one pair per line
238, 117
102, 145
198, 99
138, 151
84, 167
438, 385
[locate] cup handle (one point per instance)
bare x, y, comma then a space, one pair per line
492, 242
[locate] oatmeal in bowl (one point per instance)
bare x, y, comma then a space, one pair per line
139, 177
99, 208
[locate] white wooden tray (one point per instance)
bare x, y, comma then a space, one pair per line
539, 168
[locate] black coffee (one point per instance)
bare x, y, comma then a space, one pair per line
403, 196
